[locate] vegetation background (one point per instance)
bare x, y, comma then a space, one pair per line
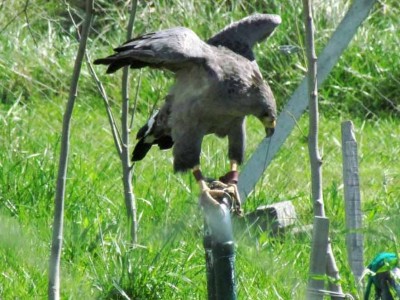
37, 49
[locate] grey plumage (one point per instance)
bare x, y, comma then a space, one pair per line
217, 85
241, 36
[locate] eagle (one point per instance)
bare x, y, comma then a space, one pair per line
217, 84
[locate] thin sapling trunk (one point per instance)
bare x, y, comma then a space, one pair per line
55, 256
315, 158
130, 201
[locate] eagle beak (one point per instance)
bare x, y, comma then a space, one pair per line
269, 125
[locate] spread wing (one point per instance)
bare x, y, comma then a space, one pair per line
241, 36
171, 49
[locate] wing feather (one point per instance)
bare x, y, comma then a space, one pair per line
241, 36
171, 49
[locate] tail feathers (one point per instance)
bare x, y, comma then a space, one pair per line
127, 58
140, 150
104, 61
150, 135
165, 142
142, 147
114, 63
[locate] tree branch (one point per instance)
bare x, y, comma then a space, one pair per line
130, 201
315, 158
54, 265
22, 11
114, 128
136, 98
27, 22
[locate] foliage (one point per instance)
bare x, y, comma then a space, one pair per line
36, 51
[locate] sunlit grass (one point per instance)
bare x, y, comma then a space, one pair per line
168, 263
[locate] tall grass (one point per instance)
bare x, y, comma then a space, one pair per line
97, 261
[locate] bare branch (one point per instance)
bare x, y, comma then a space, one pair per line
130, 201
27, 22
12, 20
22, 11
315, 158
135, 101
114, 128
54, 266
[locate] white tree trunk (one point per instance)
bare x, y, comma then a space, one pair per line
315, 158
58, 222
130, 201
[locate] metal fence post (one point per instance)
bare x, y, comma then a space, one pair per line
219, 251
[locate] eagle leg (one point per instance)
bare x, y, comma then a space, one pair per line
219, 189
231, 180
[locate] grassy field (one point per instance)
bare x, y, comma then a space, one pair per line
37, 50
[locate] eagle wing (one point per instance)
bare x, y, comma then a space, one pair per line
241, 36
172, 49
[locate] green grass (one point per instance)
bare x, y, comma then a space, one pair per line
97, 260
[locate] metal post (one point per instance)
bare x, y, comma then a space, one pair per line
219, 251
207, 243
320, 238
352, 197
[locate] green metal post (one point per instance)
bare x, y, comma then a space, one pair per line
207, 243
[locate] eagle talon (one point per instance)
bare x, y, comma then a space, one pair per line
217, 190
237, 203
209, 198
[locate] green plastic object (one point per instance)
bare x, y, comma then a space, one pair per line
384, 261
382, 274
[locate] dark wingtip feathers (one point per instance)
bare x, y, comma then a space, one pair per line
113, 63
115, 66
100, 61
142, 147
140, 150
165, 142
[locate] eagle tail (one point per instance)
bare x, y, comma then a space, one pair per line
147, 137
141, 150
